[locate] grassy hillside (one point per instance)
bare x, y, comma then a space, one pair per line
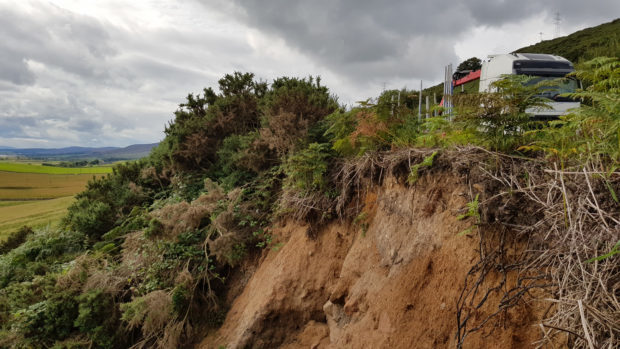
602, 40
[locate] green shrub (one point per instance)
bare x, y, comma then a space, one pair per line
234, 166
181, 298
137, 220
43, 252
155, 228
48, 320
91, 217
391, 122
341, 126
306, 170
97, 317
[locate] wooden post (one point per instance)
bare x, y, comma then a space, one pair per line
428, 107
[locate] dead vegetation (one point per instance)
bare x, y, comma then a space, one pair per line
564, 219
352, 179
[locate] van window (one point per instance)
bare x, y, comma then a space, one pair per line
566, 85
542, 68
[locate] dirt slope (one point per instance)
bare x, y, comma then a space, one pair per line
390, 280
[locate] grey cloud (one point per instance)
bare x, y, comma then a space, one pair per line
371, 40
14, 126
85, 125
15, 69
364, 41
573, 12
54, 37
78, 78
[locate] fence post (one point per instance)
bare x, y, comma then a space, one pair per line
420, 103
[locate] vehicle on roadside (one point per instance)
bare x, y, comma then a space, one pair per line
540, 67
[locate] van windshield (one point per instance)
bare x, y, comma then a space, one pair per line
556, 87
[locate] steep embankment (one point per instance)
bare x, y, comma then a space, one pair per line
390, 279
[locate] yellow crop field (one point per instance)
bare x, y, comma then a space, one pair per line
37, 199
37, 214
32, 186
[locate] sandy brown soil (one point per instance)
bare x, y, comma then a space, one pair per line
390, 280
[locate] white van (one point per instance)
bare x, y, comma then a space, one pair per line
540, 66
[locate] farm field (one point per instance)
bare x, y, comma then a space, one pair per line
17, 186
37, 214
38, 198
33, 167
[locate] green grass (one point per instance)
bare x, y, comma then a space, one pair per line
33, 168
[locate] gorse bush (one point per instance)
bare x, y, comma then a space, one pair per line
98, 318
204, 121
106, 200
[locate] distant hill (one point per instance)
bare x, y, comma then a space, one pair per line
135, 151
602, 40
131, 152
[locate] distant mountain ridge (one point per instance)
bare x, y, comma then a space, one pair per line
131, 152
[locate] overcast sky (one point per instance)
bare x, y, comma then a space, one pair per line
111, 73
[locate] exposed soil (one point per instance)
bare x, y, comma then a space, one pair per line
391, 279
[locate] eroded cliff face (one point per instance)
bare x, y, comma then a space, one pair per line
389, 279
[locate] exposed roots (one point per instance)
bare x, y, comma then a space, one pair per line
352, 179
572, 217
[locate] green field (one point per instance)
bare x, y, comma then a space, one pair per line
38, 168
38, 196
